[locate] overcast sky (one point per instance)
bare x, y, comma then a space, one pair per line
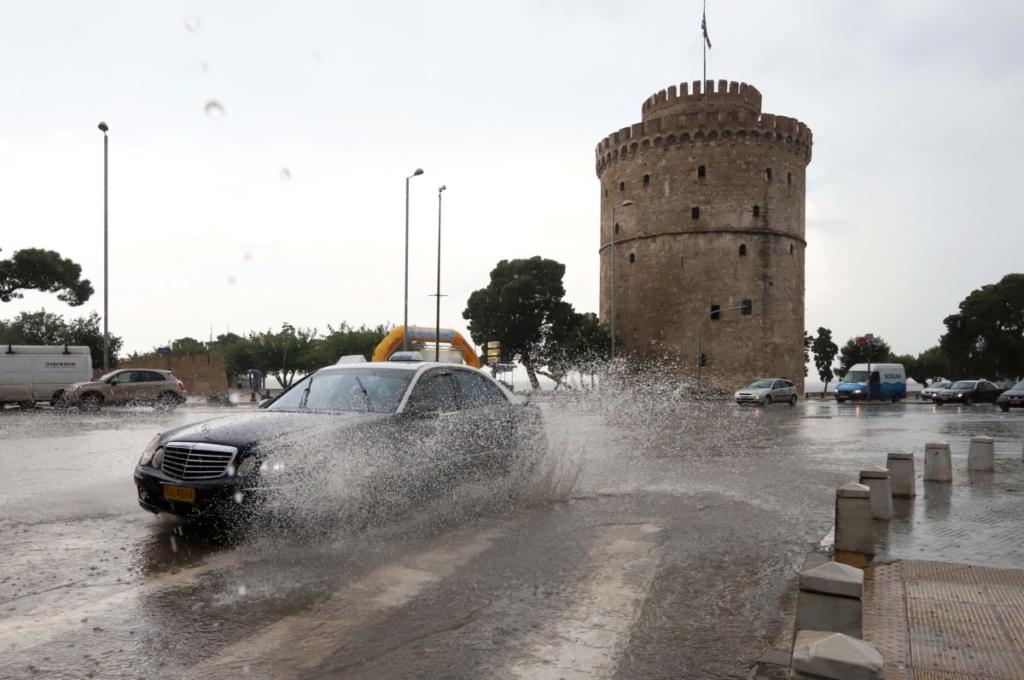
288, 205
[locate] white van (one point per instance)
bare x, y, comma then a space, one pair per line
31, 373
887, 382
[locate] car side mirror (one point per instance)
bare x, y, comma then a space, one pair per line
265, 402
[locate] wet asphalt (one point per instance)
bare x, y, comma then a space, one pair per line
660, 539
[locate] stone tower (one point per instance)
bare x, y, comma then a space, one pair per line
717, 220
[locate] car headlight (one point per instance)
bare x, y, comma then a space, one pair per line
268, 468
246, 466
158, 458
856, 391
959, 395
150, 451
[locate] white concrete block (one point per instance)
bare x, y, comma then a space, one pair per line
981, 455
938, 464
820, 654
881, 492
901, 474
854, 527
833, 578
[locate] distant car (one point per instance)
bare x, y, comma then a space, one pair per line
765, 391
929, 392
967, 392
131, 386
1012, 398
410, 425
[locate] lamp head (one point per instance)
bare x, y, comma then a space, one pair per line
103, 127
441, 188
417, 172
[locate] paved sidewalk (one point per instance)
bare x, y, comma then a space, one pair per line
937, 620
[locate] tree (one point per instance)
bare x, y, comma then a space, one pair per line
46, 271
45, 328
824, 351
188, 347
283, 354
808, 340
522, 308
581, 345
986, 337
346, 340
852, 353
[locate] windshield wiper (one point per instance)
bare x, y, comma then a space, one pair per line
305, 393
366, 395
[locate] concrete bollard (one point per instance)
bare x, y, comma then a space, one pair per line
830, 599
938, 465
981, 455
901, 474
881, 492
834, 656
854, 529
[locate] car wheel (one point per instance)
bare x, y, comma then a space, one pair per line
792, 400
1004, 407
59, 399
28, 403
167, 401
90, 402
967, 401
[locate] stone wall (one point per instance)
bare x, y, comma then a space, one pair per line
203, 374
718, 192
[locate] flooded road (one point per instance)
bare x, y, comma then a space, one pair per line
660, 539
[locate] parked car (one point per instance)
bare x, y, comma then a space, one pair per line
928, 393
766, 391
887, 382
1012, 398
32, 373
967, 392
423, 424
132, 386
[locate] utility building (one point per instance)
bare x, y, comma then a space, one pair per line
709, 249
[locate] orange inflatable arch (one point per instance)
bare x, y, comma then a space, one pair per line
392, 342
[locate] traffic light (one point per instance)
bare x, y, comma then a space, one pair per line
747, 307
493, 352
703, 359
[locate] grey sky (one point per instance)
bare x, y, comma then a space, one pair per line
912, 192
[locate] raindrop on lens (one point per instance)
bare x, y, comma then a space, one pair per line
213, 108
238, 496
286, 175
241, 590
193, 24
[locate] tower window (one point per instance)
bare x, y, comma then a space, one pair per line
606, 193
622, 186
789, 178
701, 171
791, 249
715, 314
747, 307
768, 174
632, 258
647, 181
743, 250
757, 211
616, 227
695, 213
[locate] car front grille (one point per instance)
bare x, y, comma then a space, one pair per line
190, 461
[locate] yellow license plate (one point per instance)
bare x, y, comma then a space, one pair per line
185, 494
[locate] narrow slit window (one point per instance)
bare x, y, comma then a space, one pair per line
743, 250
757, 211
791, 249
701, 171
694, 213
768, 174
647, 181
632, 258
616, 227
622, 186
789, 178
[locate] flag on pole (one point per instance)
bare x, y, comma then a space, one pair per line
704, 29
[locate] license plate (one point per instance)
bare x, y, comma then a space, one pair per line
1015, 402
186, 494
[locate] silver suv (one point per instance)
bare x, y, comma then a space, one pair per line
765, 391
161, 389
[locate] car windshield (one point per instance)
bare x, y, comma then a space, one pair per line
963, 385
856, 377
363, 389
938, 386
1019, 387
760, 384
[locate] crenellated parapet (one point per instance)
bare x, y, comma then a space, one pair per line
689, 98
706, 127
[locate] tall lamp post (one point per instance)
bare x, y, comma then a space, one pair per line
611, 302
437, 320
405, 314
106, 286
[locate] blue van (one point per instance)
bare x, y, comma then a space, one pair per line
885, 382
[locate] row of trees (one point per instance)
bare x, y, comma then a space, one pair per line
46, 328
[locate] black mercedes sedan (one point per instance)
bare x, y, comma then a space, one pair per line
1012, 398
394, 428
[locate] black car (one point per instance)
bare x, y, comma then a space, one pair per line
399, 427
967, 392
1012, 398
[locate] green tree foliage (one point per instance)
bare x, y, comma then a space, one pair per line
582, 344
46, 271
808, 341
346, 340
986, 337
44, 328
188, 347
852, 354
522, 307
824, 350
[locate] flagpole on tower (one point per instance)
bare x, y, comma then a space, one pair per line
707, 43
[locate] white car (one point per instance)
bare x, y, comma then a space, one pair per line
765, 391
929, 392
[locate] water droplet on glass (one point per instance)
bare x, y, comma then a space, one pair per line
241, 590
231, 280
247, 257
203, 67
193, 24
238, 496
286, 175
213, 108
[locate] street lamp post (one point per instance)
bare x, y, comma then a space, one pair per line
700, 338
405, 314
611, 300
437, 320
106, 284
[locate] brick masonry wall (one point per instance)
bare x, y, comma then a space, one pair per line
671, 267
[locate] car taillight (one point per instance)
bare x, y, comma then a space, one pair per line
181, 386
